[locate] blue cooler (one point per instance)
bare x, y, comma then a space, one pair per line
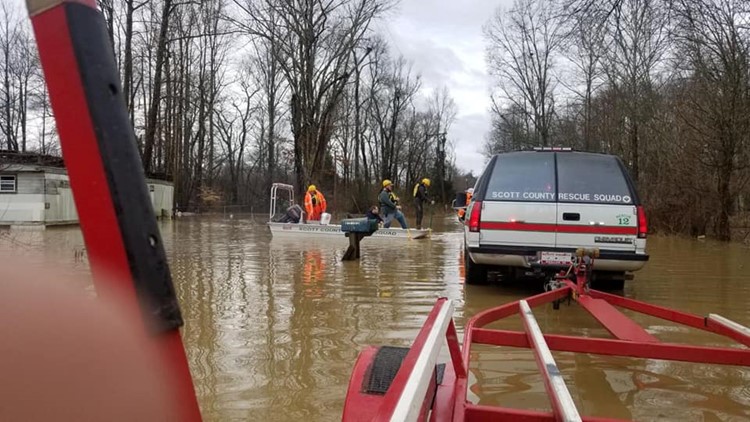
359, 225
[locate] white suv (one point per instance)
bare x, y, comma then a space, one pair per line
531, 210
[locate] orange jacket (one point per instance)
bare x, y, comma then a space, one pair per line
315, 205
462, 211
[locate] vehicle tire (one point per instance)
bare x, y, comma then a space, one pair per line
475, 273
608, 281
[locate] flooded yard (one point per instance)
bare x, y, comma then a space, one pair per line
273, 326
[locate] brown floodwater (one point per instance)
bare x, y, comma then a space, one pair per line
273, 326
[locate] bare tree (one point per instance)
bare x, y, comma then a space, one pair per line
586, 48
717, 48
443, 109
523, 42
156, 89
268, 76
638, 33
315, 57
391, 92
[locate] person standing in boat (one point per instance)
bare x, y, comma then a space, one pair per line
462, 211
389, 207
315, 203
421, 196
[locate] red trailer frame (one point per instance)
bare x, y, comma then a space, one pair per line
450, 401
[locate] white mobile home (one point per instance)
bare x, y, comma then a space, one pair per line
33, 195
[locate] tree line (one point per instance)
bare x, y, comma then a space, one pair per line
229, 96
664, 84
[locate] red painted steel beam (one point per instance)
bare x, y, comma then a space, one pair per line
646, 308
720, 325
455, 350
109, 188
665, 351
442, 406
483, 318
685, 318
614, 321
480, 413
563, 406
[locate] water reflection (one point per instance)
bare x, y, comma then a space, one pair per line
273, 326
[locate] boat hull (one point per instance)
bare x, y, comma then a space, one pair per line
334, 230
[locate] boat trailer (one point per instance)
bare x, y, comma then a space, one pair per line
407, 384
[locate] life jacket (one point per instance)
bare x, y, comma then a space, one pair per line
315, 204
462, 211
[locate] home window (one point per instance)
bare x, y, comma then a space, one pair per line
8, 184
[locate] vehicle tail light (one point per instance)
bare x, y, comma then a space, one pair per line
475, 217
642, 222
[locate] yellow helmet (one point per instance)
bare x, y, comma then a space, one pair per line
311, 188
387, 182
426, 182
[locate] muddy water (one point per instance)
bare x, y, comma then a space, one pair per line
273, 326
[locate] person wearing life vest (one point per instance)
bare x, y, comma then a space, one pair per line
315, 203
420, 197
389, 207
462, 211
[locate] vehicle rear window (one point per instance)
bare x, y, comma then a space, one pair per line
591, 178
523, 176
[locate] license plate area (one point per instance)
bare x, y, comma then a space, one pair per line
555, 258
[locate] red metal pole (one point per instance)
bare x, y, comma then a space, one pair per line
602, 346
98, 144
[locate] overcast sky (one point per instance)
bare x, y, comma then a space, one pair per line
443, 38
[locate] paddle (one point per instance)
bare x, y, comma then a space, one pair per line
432, 212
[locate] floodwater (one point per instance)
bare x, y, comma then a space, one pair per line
274, 326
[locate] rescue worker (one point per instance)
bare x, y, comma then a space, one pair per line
462, 211
420, 197
389, 207
315, 203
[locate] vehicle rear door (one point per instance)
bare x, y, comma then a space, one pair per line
518, 207
596, 203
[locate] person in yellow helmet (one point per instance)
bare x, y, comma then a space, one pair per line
421, 195
389, 207
315, 203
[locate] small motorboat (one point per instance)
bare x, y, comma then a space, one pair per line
283, 225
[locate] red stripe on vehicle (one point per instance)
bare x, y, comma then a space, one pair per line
568, 228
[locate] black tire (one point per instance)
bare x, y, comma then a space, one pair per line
475, 273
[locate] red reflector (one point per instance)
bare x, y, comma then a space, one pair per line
476, 216
642, 222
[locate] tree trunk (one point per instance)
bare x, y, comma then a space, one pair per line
153, 110
723, 231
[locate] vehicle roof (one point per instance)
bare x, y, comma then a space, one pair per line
596, 154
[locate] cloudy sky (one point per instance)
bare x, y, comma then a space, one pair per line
443, 39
